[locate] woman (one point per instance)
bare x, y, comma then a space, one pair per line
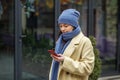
76, 57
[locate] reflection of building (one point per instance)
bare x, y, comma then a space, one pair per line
38, 23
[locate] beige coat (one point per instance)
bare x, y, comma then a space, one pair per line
79, 60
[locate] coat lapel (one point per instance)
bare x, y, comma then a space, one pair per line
73, 44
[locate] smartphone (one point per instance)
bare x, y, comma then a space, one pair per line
52, 52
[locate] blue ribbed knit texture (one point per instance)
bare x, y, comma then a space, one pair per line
69, 16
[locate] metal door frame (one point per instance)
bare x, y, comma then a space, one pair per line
18, 40
118, 39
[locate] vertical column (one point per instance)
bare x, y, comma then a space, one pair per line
57, 13
104, 17
104, 12
90, 18
118, 39
18, 41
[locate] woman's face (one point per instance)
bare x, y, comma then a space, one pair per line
65, 28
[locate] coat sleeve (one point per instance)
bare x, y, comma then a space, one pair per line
84, 65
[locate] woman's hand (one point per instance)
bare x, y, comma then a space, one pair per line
58, 58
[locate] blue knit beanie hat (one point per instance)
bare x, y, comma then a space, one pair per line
69, 16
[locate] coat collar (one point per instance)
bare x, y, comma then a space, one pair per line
74, 42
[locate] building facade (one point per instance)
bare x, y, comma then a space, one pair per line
28, 28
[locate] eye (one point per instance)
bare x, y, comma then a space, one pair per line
66, 26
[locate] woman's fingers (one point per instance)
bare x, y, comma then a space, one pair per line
58, 58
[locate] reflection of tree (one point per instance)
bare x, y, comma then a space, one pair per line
36, 43
111, 18
29, 7
36, 50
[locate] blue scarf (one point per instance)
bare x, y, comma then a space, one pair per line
60, 47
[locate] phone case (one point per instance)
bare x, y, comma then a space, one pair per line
52, 52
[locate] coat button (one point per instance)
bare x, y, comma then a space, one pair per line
67, 72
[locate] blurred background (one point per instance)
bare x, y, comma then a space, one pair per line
28, 28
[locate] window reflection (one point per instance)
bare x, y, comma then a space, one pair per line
6, 40
38, 27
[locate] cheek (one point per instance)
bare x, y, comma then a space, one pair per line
70, 29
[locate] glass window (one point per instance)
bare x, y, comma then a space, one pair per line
106, 20
38, 26
7, 40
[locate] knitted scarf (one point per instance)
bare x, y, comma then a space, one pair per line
60, 47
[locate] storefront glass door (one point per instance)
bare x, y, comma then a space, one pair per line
7, 40
37, 28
